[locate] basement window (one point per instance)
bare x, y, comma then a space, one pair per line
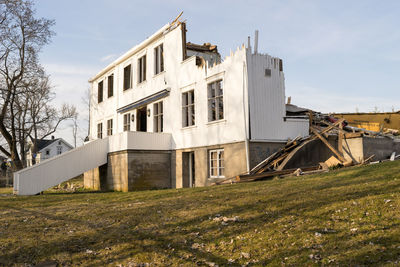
142, 69
100, 130
158, 59
158, 117
100, 92
216, 163
127, 122
110, 85
215, 101
109, 127
188, 114
127, 77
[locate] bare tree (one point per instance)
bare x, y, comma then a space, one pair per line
25, 91
75, 127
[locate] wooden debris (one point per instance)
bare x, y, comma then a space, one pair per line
332, 162
320, 128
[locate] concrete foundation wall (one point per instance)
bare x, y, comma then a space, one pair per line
234, 161
132, 170
382, 148
94, 178
312, 154
353, 149
149, 170
261, 150
117, 172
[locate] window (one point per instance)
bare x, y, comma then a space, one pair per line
109, 127
158, 59
59, 143
100, 130
47, 152
188, 114
100, 92
215, 101
216, 161
158, 117
59, 150
127, 77
142, 69
127, 122
110, 85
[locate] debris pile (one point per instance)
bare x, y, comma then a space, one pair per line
321, 126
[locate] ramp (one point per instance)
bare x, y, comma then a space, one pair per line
51, 172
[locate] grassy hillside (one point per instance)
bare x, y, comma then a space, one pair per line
344, 217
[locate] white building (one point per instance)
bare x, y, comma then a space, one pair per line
46, 148
221, 117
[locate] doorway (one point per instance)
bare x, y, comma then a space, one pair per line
141, 119
188, 169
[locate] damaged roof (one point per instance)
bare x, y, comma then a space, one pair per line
206, 47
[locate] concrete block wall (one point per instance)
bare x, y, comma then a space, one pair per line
261, 150
94, 178
380, 147
148, 170
234, 160
131, 170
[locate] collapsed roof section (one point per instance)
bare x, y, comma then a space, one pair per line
206, 51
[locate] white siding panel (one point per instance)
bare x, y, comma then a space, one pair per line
267, 102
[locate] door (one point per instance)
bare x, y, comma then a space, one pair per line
192, 181
141, 121
188, 167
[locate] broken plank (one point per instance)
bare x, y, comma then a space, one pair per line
341, 158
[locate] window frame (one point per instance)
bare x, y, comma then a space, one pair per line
100, 130
158, 117
100, 92
142, 69
188, 109
109, 127
127, 122
159, 59
215, 95
127, 80
110, 85
219, 167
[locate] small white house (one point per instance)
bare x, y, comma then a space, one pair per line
46, 148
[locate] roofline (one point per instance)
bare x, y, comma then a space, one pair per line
65, 142
132, 51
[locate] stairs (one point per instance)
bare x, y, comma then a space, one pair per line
51, 172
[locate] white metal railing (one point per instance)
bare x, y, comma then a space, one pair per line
51, 172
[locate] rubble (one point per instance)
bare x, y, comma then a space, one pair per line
321, 127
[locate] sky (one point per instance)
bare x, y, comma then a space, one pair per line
338, 56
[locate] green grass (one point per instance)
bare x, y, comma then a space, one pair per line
345, 217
